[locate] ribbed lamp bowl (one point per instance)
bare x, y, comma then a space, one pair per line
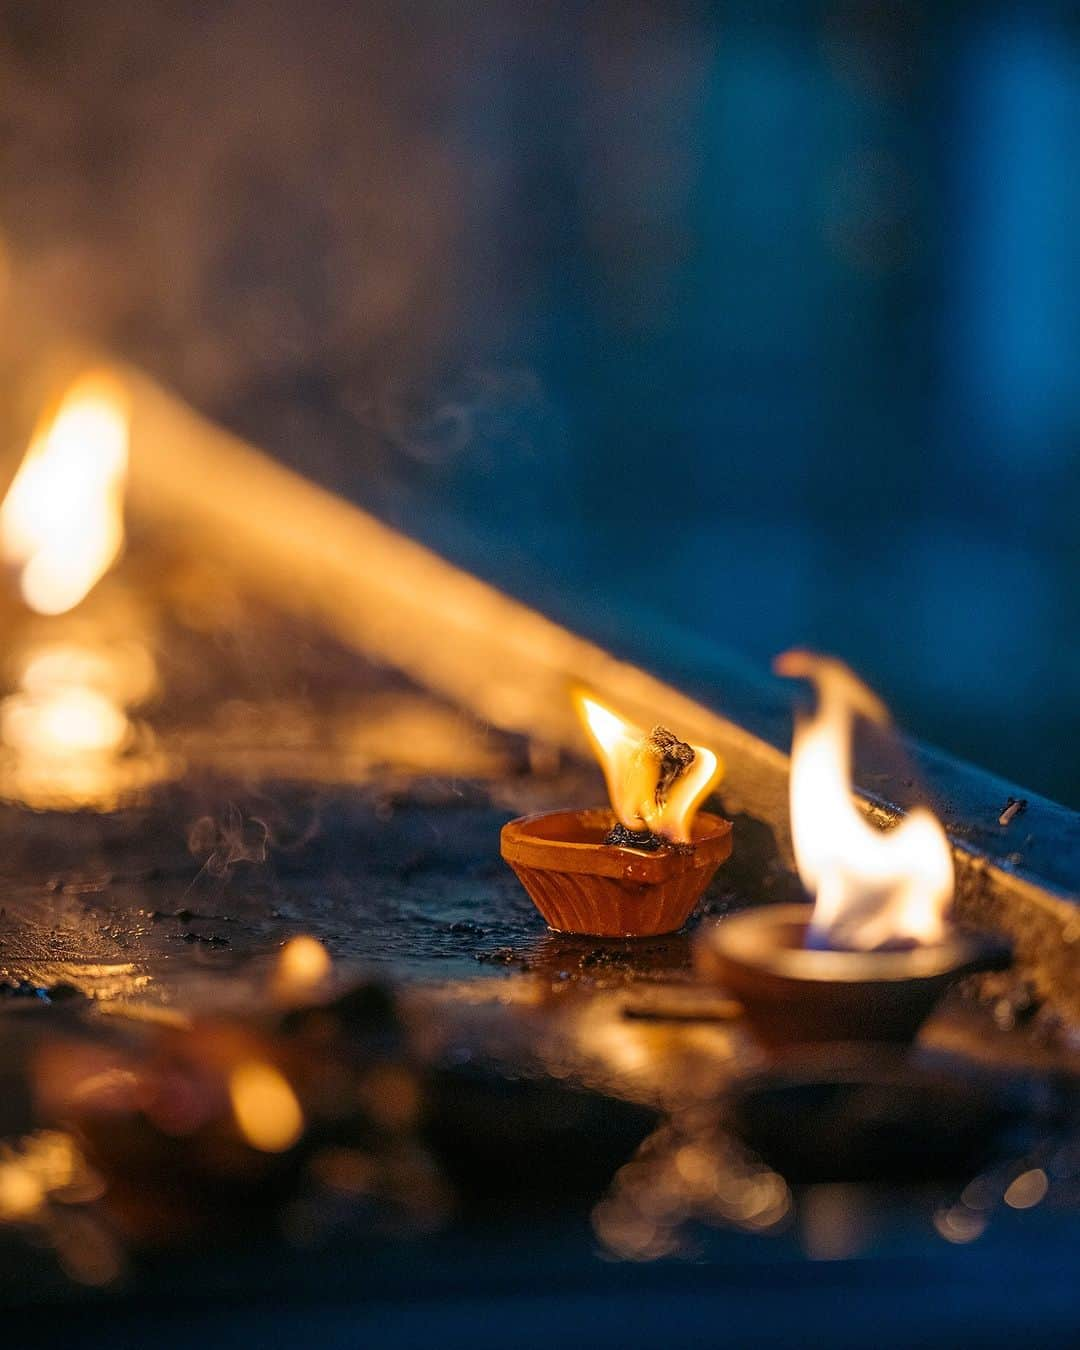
582, 885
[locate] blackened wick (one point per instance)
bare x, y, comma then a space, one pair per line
663, 756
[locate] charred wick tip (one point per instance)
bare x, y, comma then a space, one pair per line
645, 840
674, 757
668, 745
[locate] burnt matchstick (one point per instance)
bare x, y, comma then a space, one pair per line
1014, 807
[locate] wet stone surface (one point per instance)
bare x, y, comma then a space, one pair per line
456, 1038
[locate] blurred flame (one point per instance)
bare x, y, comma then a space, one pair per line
62, 520
265, 1107
46, 1186
303, 965
21, 1193
632, 771
66, 730
39, 1167
68, 721
1028, 1189
124, 670
65, 726
871, 887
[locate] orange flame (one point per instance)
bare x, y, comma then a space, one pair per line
633, 769
303, 965
872, 888
62, 521
265, 1107
65, 733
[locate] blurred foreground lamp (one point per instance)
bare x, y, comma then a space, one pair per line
638, 869
871, 956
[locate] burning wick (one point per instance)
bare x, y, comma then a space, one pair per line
655, 781
658, 762
872, 889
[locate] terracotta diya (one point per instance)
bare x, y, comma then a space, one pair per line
580, 884
637, 870
792, 993
871, 957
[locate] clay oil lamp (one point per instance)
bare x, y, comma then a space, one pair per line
638, 869
870, 958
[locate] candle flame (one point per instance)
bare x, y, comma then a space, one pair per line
67, 722
871, 888
654, 781
62, 521
65, 733
303, 966
265, 1107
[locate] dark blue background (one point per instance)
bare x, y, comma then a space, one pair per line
759, 318
797, 291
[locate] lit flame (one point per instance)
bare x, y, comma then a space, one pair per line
871, 888
302, 967
61, 712
66, 722
265, 1107
644, 794
62, 521
65, 734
